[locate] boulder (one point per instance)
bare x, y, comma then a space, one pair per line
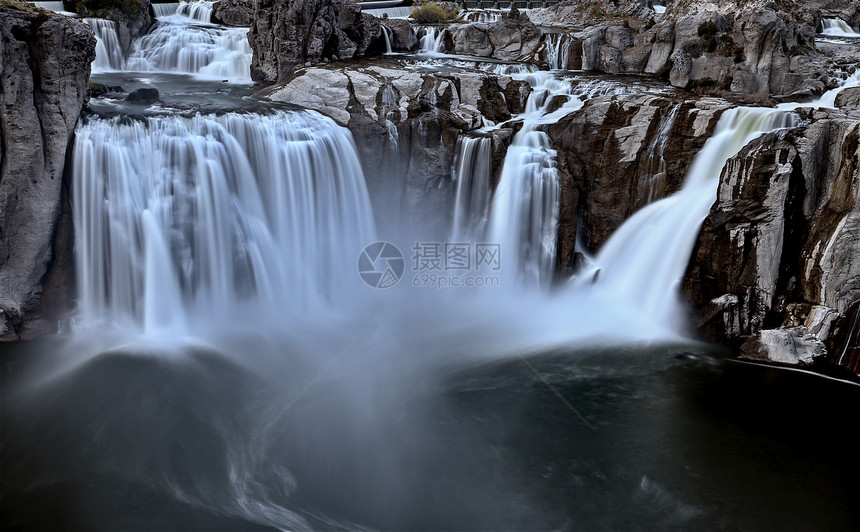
285, 34
506, 39
238, 13
144, 96
403, 37
848, 98
45, 59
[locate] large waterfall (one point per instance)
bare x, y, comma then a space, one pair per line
208, 214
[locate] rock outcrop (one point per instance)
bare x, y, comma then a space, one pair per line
405, 123
45, 60
756, 47
777, 266
238, 13
133, 17
403, 36
285, 34
507, 39
619, 153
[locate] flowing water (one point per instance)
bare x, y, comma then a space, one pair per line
230, 370
836, 27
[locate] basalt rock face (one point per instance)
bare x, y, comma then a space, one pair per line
45, 60
579, 14
288, 33
133, 17
777, 266
619, 153
403, 37
506, 39
757, 47
406, 124
238, 13
847, 10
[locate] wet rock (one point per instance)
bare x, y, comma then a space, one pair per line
784, 234
404, 38
619, 153
237, 13
46, 62
133, 16
144, 96
848, 98
506, 39
284, 35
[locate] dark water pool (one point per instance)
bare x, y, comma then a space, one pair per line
616, 439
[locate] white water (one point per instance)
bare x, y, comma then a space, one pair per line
179, 219
484, 16
392, 12
180, 44
387, 34
653, 178
197, 10
109, 55
433, 42
557, 52
472, 175
56, 7
163, 10
838, 28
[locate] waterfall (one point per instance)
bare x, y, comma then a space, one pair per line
56, 7
392, 12
109, 55
201, 11
837, 27
524, 212
557, 51
163, 10
387, 33
472, 175
653, 178
433, 42
176, 217
484, 16
179, 44
645, 259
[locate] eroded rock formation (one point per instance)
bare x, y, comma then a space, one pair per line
133, 17
619, 153
507, 39
284, 34
777, 264
239, 13
45, 60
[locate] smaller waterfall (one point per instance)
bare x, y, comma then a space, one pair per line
557, 51
164, 10
653, 177
472, 174
524, 212
197, 10
109, 55
387, 33
433, 41
484, 16
392, 12
181, 45
56, 7
836, 27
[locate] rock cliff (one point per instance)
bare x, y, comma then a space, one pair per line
45, 59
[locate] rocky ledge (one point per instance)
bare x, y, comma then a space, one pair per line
45, 60
406, 123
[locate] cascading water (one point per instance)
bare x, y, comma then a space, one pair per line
180, 44
433, 41
163, 10
641, 264
472, 174
198, 10
387, 34
837, 27
175, 215
557, 50
653, 177
108, 50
